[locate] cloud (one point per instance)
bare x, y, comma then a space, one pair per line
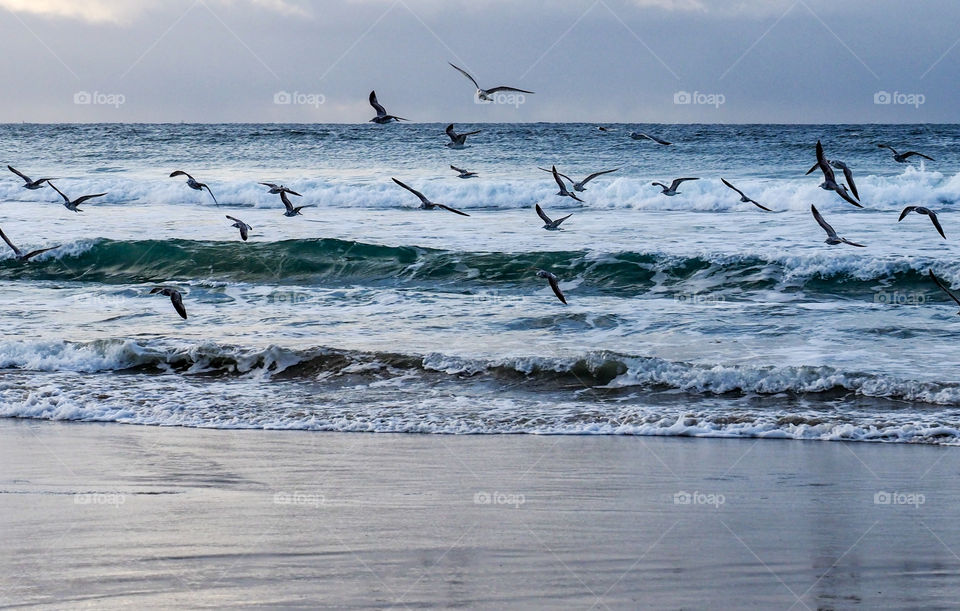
125, 11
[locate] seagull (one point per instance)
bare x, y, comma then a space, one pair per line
175, 298
28, 182
563, 187
829, 178
291, 211
243, 227
847, 174
73, 205
18, 254
274, 189
902, 157
672, 189
551, 225
382, 116
944, 288
604, 129
642, 136
193, 184
832, 237
580, 186
484, 94
426, 204
457, 141
928, 212
463, 173
554, 284
744, 198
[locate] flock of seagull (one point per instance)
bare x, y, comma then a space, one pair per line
848, 192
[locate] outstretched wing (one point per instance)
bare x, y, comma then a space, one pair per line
543, 215
449, 209
414, 191
456, 169
936, 223
381, 111
9, 243
595, 174
915, 154
724, 181
466, 74
826, 226
677, 181
905, 212
34, 253
180, 173
449, 131
824, 165
18, 173
211, 195
556, 177
943, 286
561, 174
177, 300
80, 200
555, 285
848, 175
65, 198
502, 88
286, 201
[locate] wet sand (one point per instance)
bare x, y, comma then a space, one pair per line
105, 516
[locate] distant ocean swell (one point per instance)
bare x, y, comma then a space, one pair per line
331, 262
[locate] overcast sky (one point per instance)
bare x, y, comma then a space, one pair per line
784, 61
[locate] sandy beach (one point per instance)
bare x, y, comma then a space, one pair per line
107, 516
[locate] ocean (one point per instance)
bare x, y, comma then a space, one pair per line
693, 315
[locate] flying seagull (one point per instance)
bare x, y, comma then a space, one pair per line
563, 192
744, 198
672, 189
847, 174
28, 182
175, 298
275, 189
19, 255
73, 204
457, 141
642, 136
902, 157
830, 180
291, 211
484, 94
463, 173
426, 204
832, 237
554, 284
944, 288
243, 227
926, 211
551, 225
382, 116
581, 186
193, 184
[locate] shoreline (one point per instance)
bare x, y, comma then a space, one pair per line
102, 515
